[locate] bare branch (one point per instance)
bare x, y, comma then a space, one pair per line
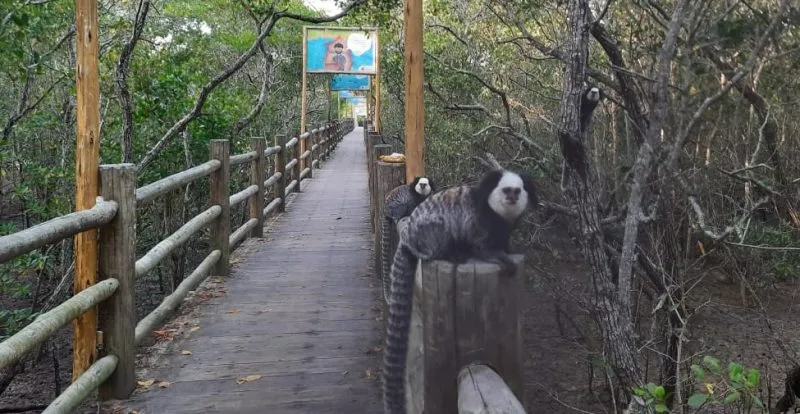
126, 102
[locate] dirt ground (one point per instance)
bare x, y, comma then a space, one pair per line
557, 358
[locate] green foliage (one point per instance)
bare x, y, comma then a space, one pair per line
737, 389
654, 396
11, 321
780, 264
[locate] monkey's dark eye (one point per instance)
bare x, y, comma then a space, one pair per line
506, 190
516, 191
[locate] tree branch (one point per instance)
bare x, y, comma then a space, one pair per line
126, 102
228, 72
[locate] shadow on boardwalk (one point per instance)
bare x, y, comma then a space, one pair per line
299, 310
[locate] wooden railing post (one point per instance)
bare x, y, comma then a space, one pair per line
257, 177
280, 166
389, 176
310, 159
117, 314
297, 166
470, 315
221, 226
372, 140
329, 138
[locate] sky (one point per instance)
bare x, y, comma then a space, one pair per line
328, 7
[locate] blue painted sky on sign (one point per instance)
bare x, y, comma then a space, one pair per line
359, 48
349, 82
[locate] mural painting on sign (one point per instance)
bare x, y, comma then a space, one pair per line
341, 50
340, 82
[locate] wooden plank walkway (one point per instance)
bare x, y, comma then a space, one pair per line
300, 311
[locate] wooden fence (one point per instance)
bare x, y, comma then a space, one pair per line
113, 372
465, 349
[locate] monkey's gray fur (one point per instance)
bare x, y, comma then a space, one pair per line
454, 224
400, 202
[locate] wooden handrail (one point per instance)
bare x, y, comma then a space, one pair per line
243, 158
84, 386
36, 332
151, 191
155, 255
239, 234
57, 229
243, 195
115, 216
273, 179
171, 302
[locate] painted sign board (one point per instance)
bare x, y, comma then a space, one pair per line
341, 50
341, 82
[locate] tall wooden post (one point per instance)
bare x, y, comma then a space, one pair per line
117, 315
279, 188
87, 158
414, 79
220, 195
257, 177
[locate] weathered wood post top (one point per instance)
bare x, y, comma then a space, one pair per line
462, 315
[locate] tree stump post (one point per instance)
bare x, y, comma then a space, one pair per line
220, 193
117, 315
280, 167
461, 316
387, 177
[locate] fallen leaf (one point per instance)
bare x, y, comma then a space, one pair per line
242, 380
164, 384
194, 329
345, 373
368, 373
186, 352
374, 350
233, 311
146, 383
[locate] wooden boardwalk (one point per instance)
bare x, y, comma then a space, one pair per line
300, 311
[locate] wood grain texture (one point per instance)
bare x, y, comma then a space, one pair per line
257, 176
482, 391
387, 177
117, 315
279, 167
462, 316
87, 160
414, 79
220, 228
300, 312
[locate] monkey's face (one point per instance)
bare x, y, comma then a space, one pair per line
423, 186
593, 95
509, 198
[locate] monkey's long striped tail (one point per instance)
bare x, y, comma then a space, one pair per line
394, 357
386, 257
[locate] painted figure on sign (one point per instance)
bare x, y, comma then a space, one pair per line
339, 56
